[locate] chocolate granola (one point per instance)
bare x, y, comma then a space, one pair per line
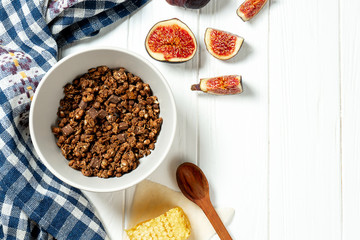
107, 120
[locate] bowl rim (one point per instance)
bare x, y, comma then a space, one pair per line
80, 186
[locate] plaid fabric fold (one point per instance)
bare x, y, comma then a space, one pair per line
34, 204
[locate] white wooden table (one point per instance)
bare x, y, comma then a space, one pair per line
285, 153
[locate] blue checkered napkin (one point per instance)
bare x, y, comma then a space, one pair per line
34, 204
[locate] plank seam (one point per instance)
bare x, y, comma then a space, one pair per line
340, 123
268, 125
197, 154
125, 191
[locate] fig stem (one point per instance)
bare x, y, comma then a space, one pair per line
195, 87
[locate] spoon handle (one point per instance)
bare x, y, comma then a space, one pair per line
214, 219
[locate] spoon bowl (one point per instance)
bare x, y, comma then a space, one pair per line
194, 184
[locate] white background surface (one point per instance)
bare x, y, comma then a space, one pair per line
285, 153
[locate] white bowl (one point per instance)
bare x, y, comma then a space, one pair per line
43, 115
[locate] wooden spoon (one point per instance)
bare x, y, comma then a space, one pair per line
194, 185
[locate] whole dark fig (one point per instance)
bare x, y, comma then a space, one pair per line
194, 4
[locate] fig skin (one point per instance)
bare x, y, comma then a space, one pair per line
228, 88
192, 4
238, 44
160, 56
250, 8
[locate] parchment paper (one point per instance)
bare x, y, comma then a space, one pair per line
152, 199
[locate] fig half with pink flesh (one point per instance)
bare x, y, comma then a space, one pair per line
222, 45
171, 41
222, 85
250, 8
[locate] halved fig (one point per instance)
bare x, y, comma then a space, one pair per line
250, 8
222, 45
171, 41
222, 85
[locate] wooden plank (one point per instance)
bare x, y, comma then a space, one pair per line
350, 90
304, 121
179, 76
109, 206
233, 130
